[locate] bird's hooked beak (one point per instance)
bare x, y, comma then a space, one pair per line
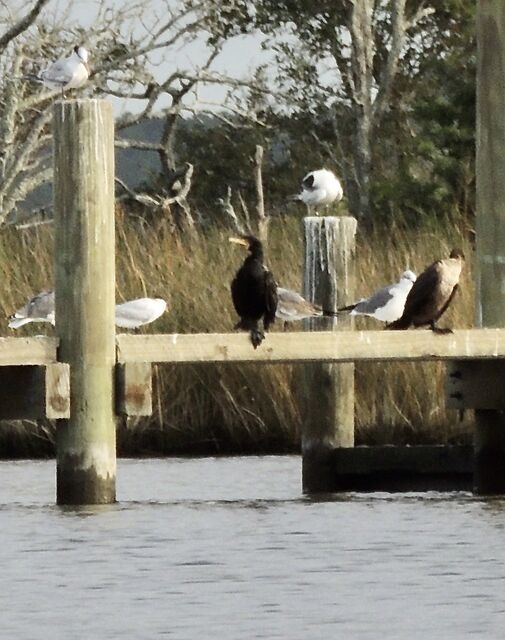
241, 241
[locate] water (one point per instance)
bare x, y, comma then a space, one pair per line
229, 548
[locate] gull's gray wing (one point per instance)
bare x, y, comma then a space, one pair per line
59, 73
377, 300
41, 305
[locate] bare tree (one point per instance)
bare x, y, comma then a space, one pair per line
343, 58
137, 55
370, 92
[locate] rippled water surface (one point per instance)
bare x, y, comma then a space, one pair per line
229, 548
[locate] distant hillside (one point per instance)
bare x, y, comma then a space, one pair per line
132, 165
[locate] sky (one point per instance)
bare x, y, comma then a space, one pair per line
239, 58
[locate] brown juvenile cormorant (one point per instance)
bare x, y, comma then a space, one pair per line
431, 294
254, 291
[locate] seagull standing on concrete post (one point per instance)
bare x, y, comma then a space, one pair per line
321, 187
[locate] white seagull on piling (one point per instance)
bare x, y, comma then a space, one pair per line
321, 187
385, 304
67, 73
129, 315
39, 309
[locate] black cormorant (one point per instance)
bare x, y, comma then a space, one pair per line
254, 291
431, 294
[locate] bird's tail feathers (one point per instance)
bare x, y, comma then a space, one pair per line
15, 323
33, 77
349, 307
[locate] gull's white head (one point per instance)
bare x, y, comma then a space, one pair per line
408, 275
82, 53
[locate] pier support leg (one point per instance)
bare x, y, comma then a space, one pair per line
85, 292
329, 388
489, 475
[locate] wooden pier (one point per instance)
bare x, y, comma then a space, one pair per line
88, 375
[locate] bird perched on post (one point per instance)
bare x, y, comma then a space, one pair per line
321, 187
254, 291
387, 303
66, 73
431, 294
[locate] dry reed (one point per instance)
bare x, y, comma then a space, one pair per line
224, 408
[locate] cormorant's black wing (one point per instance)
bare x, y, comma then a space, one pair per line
237, 295
421, 295
271, 299
423, 290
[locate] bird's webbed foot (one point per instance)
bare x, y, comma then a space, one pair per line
257, 336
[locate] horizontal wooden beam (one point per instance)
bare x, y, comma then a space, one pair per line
28, 351
331, 346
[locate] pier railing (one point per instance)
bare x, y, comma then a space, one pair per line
88, 375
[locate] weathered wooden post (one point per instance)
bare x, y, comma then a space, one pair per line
489, 476
85, 289
329, 388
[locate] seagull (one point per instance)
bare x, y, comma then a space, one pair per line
321, 187
135, 313
254, 291
291, 306
128, 315
432, 293
40, 308
67, 73
387, 303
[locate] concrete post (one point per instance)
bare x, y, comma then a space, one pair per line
329, 398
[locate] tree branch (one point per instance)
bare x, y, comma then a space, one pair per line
22, 25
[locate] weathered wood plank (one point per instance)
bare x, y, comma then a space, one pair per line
27, 351
475, 384
401, 468
334, 346
57, 391
489, 272
134, 389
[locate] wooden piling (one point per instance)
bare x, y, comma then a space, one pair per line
489, 477
329, 388
85, 290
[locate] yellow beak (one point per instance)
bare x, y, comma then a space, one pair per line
241, 241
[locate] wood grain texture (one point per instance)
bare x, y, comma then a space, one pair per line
26, 351
85, 288
326, 346
327, 387
490, 225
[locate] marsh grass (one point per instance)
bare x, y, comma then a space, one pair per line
248, 408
